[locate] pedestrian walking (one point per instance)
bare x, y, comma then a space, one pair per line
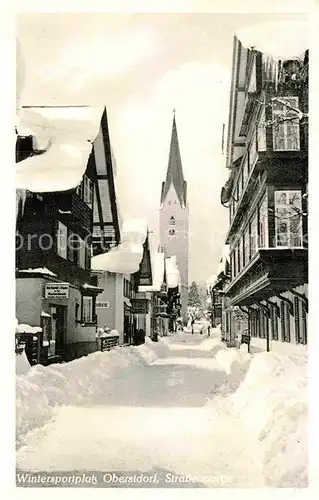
192, 324
208, 330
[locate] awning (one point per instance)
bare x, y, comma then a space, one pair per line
65, 134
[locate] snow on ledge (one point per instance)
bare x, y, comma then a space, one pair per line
127, 256
38, 270
28, 329
172, 272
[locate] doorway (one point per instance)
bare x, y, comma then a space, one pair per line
58, 330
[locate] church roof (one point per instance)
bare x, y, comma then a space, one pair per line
174, 173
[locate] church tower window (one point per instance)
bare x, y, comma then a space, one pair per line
172, 221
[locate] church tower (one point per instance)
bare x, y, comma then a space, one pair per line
174, 215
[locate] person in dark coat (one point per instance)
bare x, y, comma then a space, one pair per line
141, 336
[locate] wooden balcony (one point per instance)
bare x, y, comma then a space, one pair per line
269, 272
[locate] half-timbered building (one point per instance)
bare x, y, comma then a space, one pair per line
266, 194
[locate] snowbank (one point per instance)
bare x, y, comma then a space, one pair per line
84, 381
22, 363
272, 400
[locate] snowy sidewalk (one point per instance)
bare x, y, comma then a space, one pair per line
153, 419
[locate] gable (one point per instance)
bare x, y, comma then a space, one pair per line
145, 270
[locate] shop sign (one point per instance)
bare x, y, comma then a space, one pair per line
57, 290
102, 305
139, 306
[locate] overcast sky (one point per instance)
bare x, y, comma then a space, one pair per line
141, 67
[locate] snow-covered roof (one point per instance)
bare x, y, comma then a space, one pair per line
278, 39
127, 256
172, 272
66, 135
38, 270
158, 267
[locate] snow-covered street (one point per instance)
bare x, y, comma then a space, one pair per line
173, 408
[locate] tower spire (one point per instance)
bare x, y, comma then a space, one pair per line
174, 174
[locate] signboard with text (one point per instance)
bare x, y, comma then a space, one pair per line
102, 305
139, 306
57, 290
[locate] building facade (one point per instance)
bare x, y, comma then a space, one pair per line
54, 284
174, 216
266, 194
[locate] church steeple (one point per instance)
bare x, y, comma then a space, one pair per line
174, 173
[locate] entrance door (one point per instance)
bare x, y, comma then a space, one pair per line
58, 330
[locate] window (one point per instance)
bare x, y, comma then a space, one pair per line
238, 258
79, 190
62, 236
74, 244
261, 131
172, 221
246, 245
87, 309
286, 135
263, 223
288, 214
253, 235
87, 190
171, 232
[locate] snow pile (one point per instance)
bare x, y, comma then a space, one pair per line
272, 400
22, 363
32, 407
172, 272
226, 358
84, 381
127, 256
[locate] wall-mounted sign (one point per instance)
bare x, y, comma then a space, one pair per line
102, 305
57, 290
139, 306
